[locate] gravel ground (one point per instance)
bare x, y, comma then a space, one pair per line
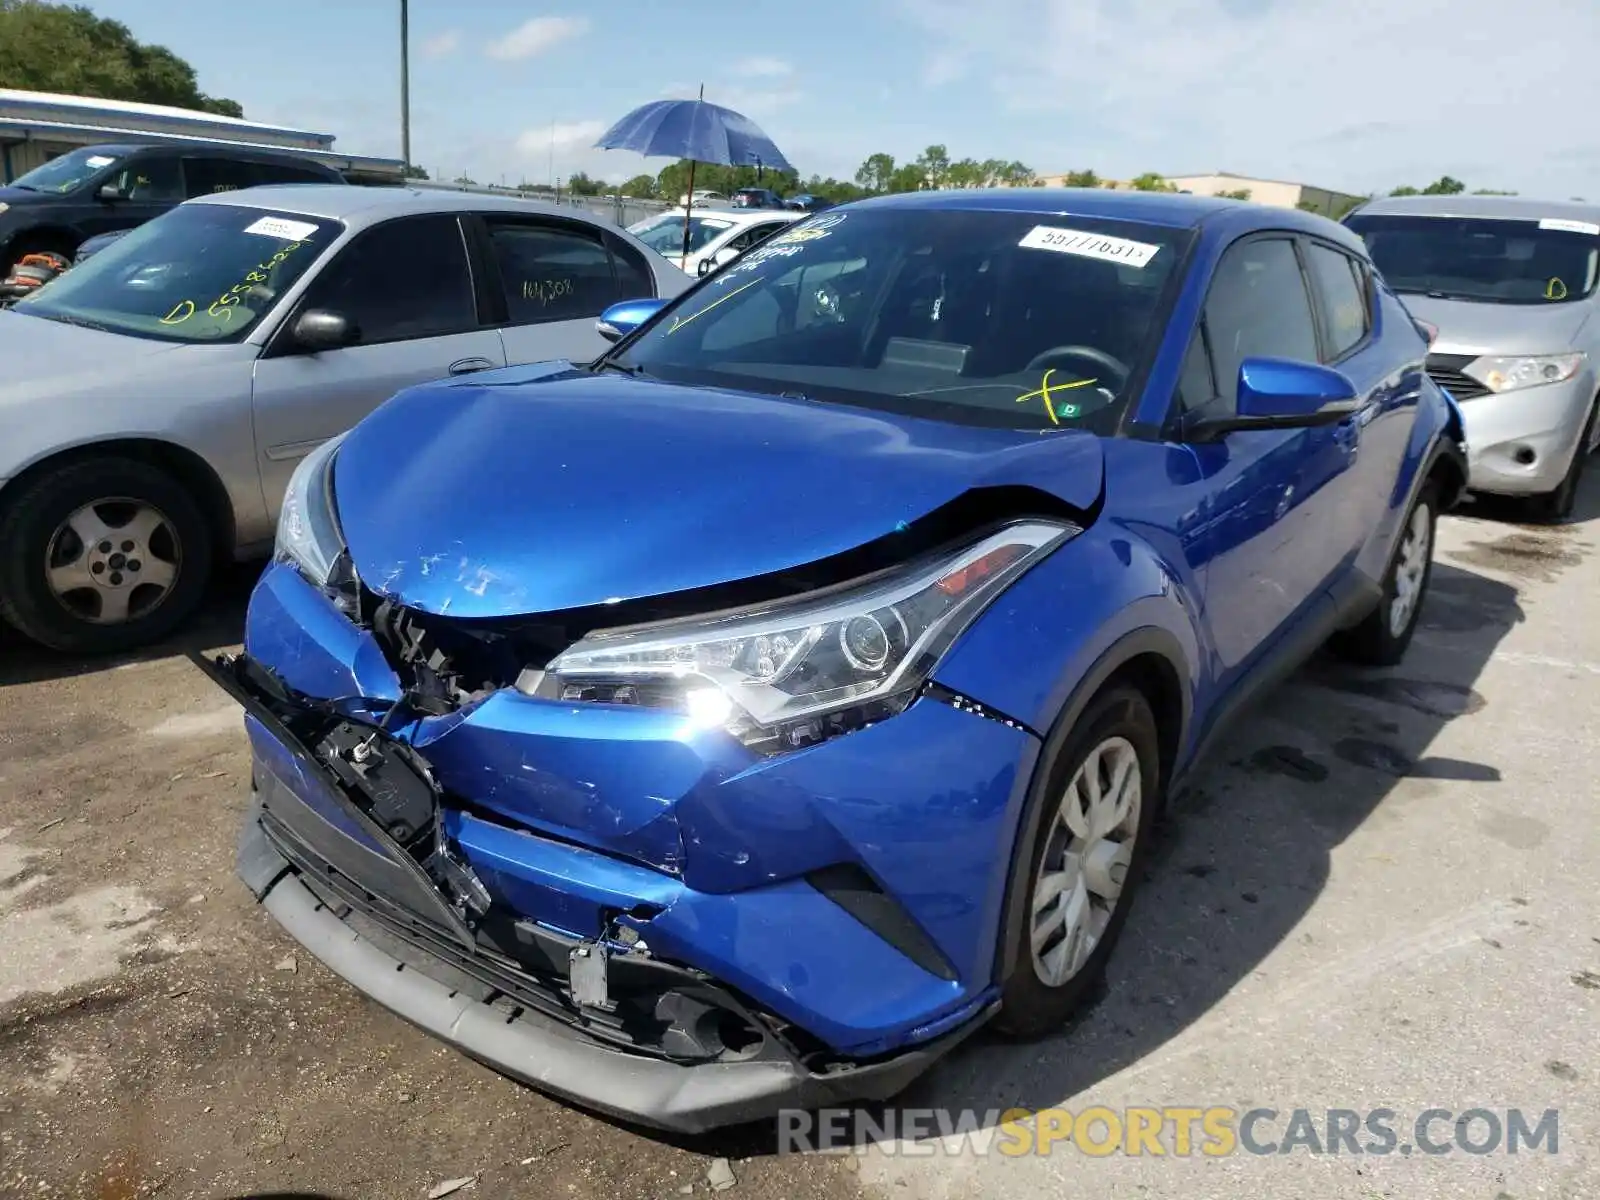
1380, 893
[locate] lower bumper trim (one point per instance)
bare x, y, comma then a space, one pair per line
544, 1055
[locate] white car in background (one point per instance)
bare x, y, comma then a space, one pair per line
715, 237
705, 198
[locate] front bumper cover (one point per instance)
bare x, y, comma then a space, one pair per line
384, 922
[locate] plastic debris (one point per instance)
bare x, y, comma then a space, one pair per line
451, 1186
720, 1176
287, 964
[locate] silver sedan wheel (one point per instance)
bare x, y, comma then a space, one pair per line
113, 561
1410, 569
1084, 860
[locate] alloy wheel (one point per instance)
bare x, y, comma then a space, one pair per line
113, 561
1410, 569
1084, 861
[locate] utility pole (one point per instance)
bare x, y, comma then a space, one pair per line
405, 82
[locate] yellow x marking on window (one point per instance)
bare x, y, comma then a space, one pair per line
1046, 393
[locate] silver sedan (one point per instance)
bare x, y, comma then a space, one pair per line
157, 397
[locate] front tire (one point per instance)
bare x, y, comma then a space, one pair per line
101, 556
1382, 638
1558, 505
1087, 835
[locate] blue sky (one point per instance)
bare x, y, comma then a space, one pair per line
1309, 90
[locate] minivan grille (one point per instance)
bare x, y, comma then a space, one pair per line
1445, 370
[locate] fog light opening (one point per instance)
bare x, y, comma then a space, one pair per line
738, 1039
1524, 456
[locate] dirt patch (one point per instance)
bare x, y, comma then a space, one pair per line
1525, 554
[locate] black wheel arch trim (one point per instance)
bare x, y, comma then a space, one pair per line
1148, 640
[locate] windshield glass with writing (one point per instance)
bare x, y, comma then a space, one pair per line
200, 273
664, 234
1475, 258
68, 172
997, 318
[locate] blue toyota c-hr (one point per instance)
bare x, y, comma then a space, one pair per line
740, 720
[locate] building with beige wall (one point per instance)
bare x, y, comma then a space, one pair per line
1276, 192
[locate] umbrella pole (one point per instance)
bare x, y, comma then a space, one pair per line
688, 211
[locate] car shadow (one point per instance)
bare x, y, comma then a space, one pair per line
1242, 855
219, 622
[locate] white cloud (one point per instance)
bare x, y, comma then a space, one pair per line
750, 100
536, 36
563, 136
441, 45
762, 66
1352, 98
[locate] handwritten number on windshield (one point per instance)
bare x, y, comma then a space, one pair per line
222, 307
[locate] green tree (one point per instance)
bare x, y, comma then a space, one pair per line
415, 172
1445, 185
61, 48
1405, 191
1236, 194
934, 164
1081, 179
466, 180
876, 173
642, 187
581, 185
908, 178
1150, 182
1490, 192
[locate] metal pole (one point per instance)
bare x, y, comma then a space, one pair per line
405, 82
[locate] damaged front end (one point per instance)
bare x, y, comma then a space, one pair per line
685, 870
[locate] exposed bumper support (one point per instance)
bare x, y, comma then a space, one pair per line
684, 1099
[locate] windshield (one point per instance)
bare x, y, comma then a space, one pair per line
200, 273
1474, 258
997, 318
664, 234
68, 172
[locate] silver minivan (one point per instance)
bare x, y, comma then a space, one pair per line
1508, 286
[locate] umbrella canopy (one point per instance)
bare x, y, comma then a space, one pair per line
694, 130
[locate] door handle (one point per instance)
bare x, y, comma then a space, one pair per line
465, 366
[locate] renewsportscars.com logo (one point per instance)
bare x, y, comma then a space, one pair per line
1175, 1131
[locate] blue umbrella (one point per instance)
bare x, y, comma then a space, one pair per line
697, 131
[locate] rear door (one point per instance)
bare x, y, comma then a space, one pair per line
1362, 464
408, 288
551, 279
206, 175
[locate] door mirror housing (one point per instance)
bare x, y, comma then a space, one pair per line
1279, 393
110, 193
319, 329
622, 318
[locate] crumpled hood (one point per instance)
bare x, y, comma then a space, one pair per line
498, 499
1467, 327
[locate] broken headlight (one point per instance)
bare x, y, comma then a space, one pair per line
308, 525
795, 672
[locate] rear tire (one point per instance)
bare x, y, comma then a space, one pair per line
101, 556
1557, 506
1383, 636
1060, 920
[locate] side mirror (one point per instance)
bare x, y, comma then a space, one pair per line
110, 193
319, 329
622, 318
1279, 393
718, 260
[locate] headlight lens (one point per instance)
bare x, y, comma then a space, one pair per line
799, 671
308, 525
1508, 374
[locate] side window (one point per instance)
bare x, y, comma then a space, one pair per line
1258, 306
1342, 295
204, 176
274, 172
1196, 387
550, 272
154, 178
634, 280
402, 279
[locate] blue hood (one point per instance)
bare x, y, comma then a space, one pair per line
489, 499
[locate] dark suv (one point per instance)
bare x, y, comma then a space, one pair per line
101, 188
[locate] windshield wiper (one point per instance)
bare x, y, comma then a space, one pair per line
70, 320
624, 368
26, 187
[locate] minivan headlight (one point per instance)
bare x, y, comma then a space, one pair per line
1511, 373
308, 524
795, 672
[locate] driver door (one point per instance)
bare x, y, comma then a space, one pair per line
408, 289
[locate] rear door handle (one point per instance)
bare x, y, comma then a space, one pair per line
465, 366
